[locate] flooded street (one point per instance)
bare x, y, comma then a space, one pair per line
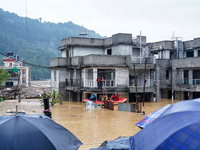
92, 126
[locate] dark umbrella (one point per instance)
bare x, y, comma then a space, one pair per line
34, 132
151, 117
121, 143
177, 128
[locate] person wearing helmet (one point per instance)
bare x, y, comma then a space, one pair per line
93, 97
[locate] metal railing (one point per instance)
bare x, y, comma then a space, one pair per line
190, 82
104, 83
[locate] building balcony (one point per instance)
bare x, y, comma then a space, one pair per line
104, 83
58, 62
100, 60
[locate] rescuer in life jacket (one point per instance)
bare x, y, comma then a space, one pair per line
116, 96
93, 97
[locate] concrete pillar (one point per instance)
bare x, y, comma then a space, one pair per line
70, 96
195, 53
94, 77
83, 95
78, 96
84, 78
190, 77
157, 83
74, 74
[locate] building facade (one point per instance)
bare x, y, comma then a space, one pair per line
130, 66
178, 67
19, 75
123, 64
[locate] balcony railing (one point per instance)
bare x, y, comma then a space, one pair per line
104, 83
190, 82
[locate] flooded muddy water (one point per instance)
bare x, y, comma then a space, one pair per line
92, 126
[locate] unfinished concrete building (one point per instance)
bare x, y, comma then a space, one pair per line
164, 69
177, 67
124, 63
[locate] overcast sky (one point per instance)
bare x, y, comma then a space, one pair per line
156, 19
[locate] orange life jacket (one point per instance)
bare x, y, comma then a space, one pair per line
99, 79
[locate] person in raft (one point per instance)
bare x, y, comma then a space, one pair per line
93, 97
115, 97
100, 98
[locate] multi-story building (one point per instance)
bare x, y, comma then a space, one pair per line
178, 67
164, 69
124, 64
19, 75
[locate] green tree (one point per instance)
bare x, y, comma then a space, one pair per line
53, 99
3, 76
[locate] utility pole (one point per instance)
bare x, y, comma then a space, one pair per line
144, 82
180, 84
140, 48
137, 109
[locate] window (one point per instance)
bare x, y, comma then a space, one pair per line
186, 76
198, 53
109, 51
167, 74
23, 81
24, 73
190, 54
10, 65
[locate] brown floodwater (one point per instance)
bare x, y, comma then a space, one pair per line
92, 126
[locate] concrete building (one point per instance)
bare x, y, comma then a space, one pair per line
21, 77
124, 63
164, 69
178, 68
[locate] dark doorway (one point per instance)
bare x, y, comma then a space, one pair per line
132, 97
9, 84
186, 97
196, 95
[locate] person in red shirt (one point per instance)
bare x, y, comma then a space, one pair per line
113, 97
99, 82
117, 96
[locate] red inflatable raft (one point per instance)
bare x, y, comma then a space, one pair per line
121, 100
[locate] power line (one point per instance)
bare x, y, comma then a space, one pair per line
27, 63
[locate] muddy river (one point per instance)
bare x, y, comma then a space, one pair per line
92, 126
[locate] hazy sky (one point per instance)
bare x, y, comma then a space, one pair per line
156, 19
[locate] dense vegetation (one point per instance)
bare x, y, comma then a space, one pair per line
35, 42
3, 76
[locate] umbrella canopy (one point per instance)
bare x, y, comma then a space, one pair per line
121, 143
34, 132
176, 128
151, 117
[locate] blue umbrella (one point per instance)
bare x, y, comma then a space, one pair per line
151, 117
177, 128
121, 143
34, 132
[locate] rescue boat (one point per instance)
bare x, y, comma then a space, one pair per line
121, 100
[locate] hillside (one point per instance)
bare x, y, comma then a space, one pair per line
34, 41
